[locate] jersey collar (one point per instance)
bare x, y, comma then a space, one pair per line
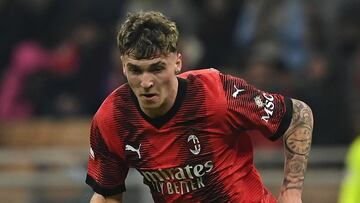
160, 121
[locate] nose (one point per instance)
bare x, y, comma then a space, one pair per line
146, 81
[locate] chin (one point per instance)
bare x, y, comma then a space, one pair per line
150, 106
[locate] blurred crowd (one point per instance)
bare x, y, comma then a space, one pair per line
58, 58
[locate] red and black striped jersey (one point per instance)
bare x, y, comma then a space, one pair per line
199, 151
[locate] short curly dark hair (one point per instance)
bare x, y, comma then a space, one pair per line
147, 34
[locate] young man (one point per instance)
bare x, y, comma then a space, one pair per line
189, 134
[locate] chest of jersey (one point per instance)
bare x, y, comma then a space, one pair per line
172, 147
174, 160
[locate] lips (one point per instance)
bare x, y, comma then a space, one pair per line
148, 95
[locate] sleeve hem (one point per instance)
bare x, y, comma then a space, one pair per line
284, 125
104, 191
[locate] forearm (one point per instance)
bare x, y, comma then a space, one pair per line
297, 144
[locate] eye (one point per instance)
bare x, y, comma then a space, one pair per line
135, 71
157, 69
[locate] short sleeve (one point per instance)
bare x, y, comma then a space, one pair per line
249, 108
106, 171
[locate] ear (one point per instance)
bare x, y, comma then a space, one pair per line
123, 66
178, 62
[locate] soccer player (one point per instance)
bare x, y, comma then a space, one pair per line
189, 134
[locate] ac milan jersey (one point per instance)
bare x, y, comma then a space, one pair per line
199, 151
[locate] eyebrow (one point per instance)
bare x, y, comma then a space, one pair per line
130, 65
157, 64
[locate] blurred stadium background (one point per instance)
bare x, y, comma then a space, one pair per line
58, 61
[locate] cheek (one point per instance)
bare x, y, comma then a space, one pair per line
164, 81
133, 81
166, 86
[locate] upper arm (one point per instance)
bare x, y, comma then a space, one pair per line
298, 136
97, 198
301, 113
107, 170
252, 109
302, 116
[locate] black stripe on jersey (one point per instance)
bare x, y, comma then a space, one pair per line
162, 120
104, 191
285, 122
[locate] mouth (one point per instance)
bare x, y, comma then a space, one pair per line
148, 95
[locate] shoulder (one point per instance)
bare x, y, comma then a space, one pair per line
109, 120
207, 84
107, 109
209, 72
214, 79
208, 77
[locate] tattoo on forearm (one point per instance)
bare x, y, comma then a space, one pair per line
297, 140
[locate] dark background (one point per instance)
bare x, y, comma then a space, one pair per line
58, 61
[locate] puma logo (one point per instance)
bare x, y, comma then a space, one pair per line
237, 91
131, 148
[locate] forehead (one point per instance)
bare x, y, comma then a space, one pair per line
126, 59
